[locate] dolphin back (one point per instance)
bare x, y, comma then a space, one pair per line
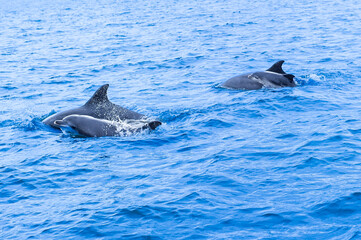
273, 77
97, 106
94, 127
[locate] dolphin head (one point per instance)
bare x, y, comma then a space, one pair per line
66, 121
67, 125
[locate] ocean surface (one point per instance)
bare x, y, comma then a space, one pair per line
226, 164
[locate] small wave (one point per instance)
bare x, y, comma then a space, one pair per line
28, 124
216, 123
311, 162
342, 207
148, 212
71, 172
310, 80
170, 116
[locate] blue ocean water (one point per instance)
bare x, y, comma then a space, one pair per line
225, 164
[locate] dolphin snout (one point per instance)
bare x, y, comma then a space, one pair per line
59, 122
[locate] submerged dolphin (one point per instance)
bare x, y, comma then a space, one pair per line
94, 127
272, 78
98, 106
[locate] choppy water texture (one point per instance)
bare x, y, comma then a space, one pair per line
267, 164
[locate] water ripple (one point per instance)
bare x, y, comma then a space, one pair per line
225, 164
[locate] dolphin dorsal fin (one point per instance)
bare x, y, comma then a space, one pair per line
100, 96
277, 67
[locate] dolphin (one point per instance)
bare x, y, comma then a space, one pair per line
95, 127
273, 77
97, 106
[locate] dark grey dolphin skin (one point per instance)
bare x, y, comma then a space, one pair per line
95, 127
274, 77
98, 106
